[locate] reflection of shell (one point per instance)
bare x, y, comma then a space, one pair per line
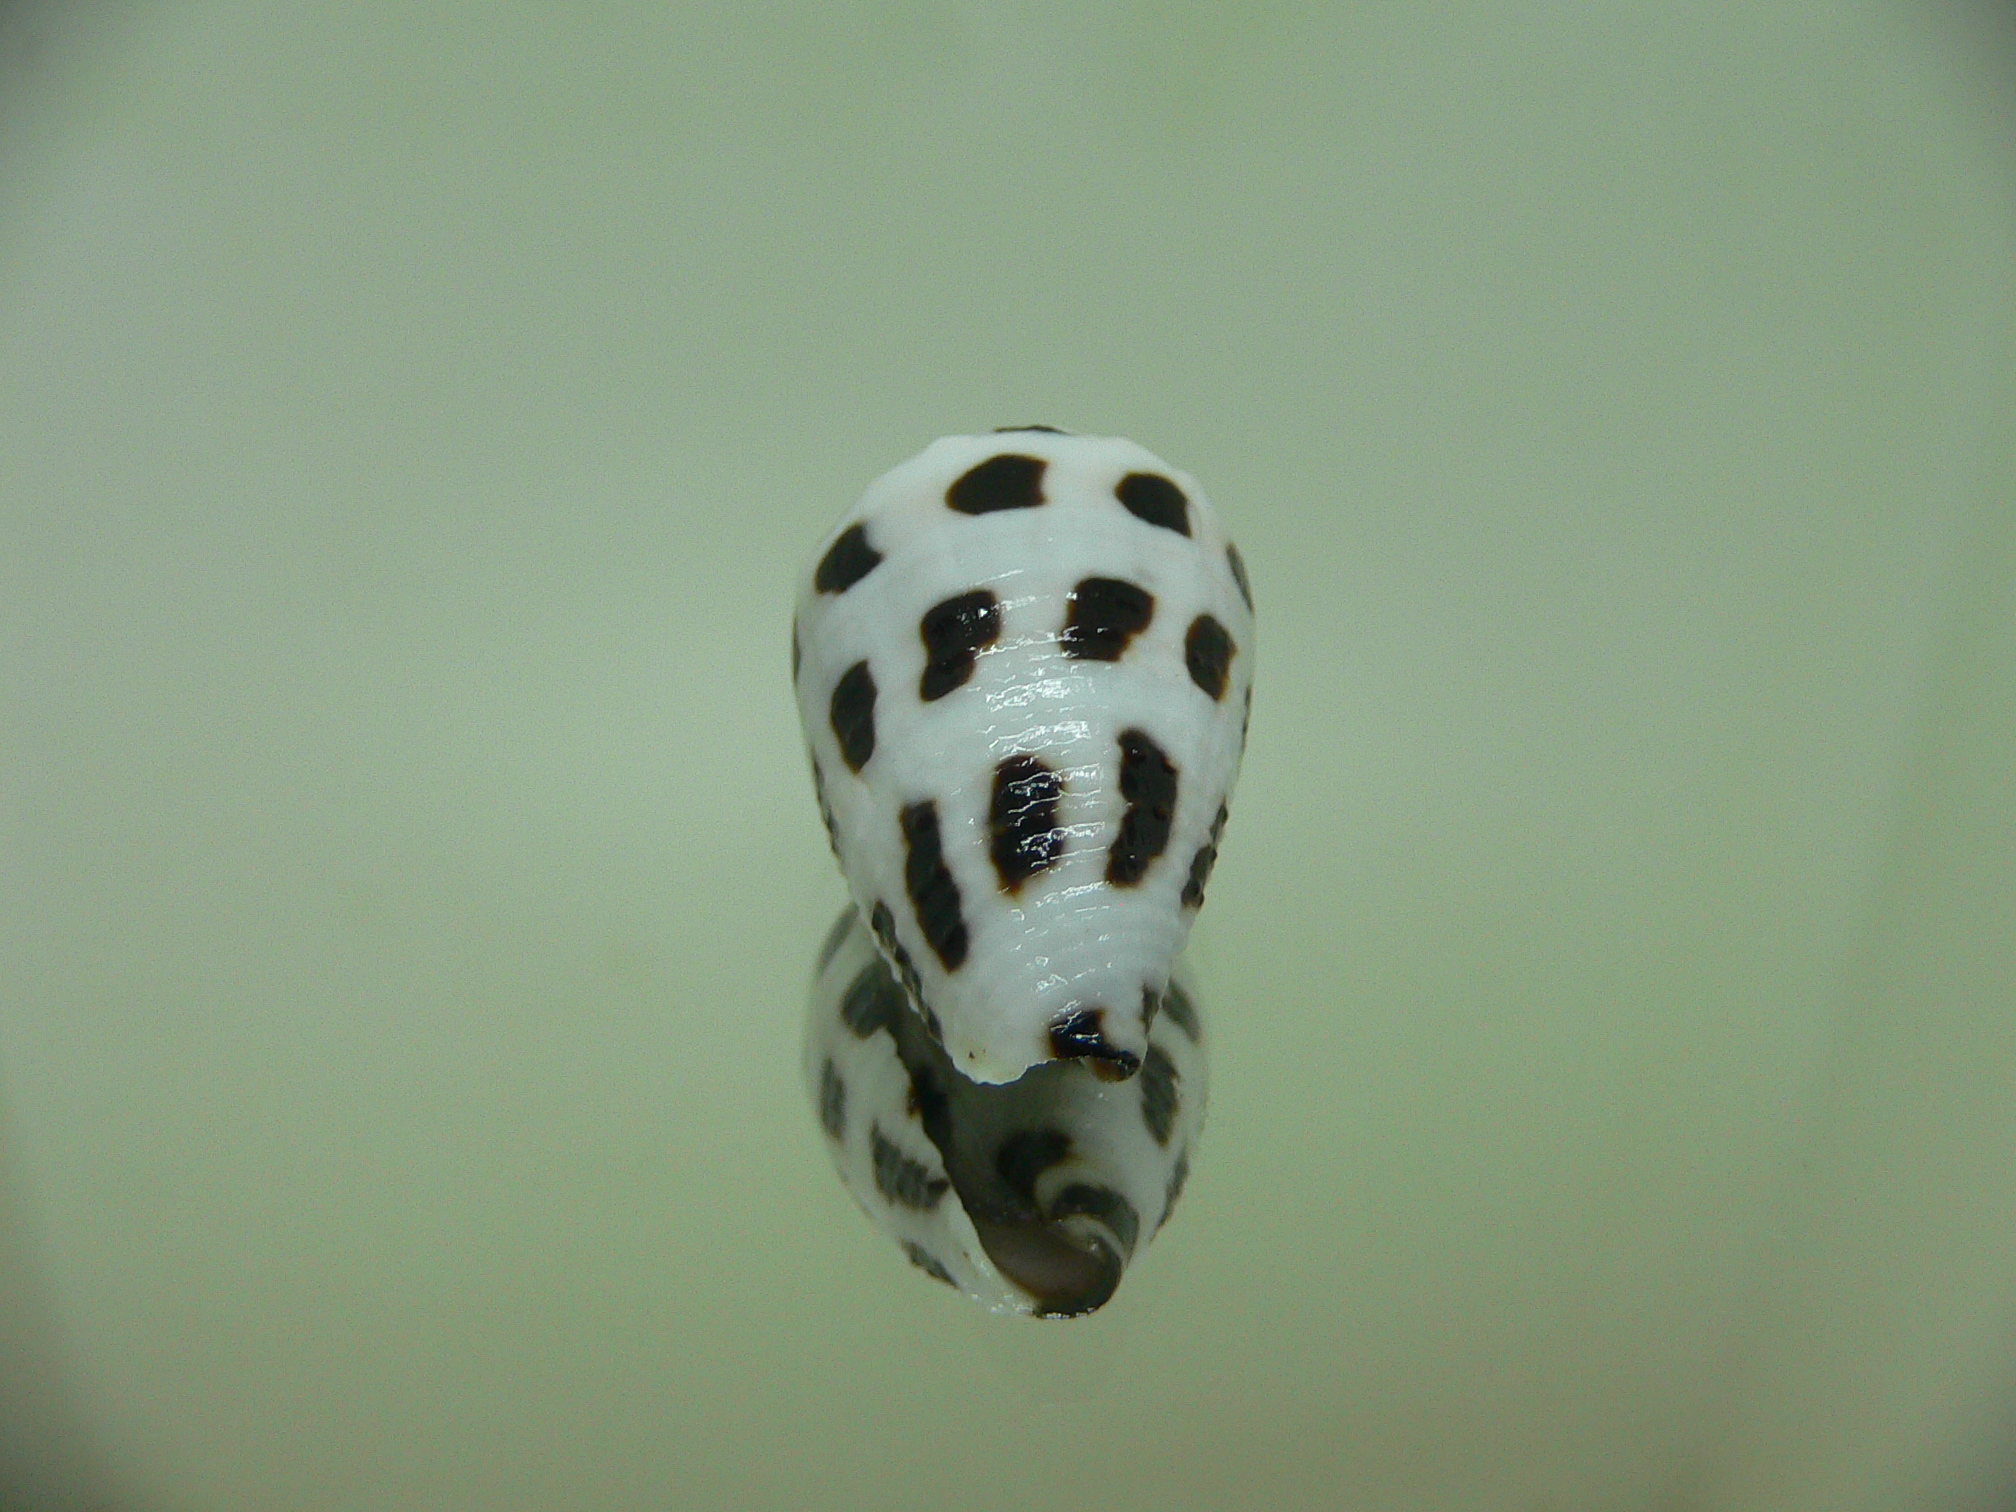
1030, 1197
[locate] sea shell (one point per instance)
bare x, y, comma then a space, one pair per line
1024, 667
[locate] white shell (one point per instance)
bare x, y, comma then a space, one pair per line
1031, 1198
1013, 970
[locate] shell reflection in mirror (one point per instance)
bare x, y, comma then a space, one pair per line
1032, 1196
1024, 666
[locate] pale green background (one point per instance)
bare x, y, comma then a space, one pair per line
411, 416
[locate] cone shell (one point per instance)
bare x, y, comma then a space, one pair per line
1024, 666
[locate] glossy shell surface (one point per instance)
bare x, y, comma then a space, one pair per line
1023, 663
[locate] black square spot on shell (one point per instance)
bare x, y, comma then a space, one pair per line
1102, 615
848, 560
1161, 1097
1207, 651
1148, 784
1202, 862
1182, 1012
954, 631
1081, 1035
1156, 499
852, 715
927, 1263
933, 892
1023, 834
1009, 481
1238, 565
832, 1101
905, 1182
872, 1002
